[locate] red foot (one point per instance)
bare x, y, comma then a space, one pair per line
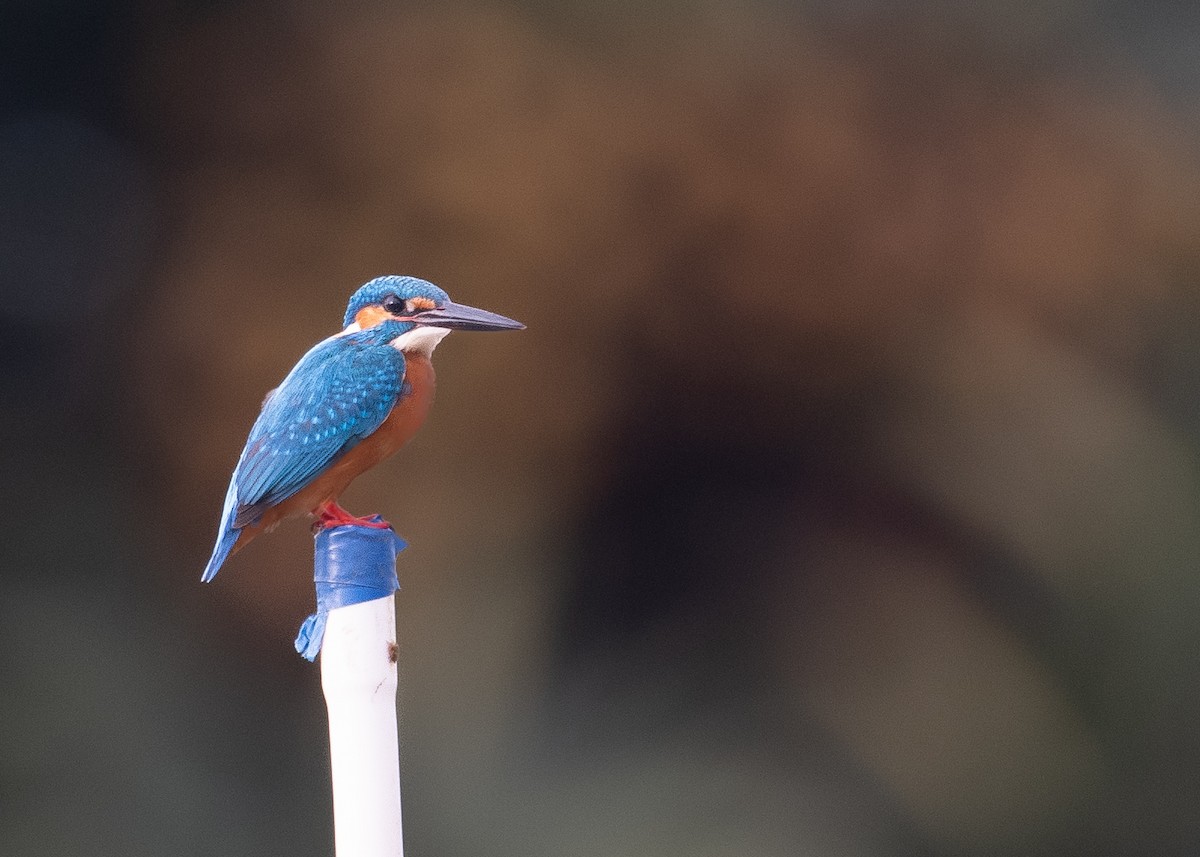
332, 515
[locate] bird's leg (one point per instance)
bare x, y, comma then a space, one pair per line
331, 515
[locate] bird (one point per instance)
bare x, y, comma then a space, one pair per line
350, 402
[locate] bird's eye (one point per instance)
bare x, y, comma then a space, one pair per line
393, 305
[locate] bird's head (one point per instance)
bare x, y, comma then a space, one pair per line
416, 314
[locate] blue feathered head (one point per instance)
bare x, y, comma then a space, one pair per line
396, 294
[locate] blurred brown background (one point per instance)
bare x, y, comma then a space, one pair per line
841, 498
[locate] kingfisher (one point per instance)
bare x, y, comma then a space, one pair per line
352, 401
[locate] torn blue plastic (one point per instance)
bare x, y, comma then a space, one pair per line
351, 565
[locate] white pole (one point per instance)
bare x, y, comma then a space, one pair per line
358, 676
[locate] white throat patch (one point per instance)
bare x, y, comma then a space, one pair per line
420, 340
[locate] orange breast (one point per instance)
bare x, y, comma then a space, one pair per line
398, 429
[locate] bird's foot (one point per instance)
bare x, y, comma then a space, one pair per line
332, 515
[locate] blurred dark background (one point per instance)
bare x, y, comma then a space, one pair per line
841, 498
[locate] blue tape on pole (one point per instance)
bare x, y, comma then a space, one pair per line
351, 565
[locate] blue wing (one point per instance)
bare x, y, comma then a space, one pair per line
338, 393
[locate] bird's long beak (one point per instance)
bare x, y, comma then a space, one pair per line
460, 317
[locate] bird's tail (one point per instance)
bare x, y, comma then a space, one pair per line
220, 553
229, 534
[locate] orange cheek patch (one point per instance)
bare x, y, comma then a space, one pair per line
370, 316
